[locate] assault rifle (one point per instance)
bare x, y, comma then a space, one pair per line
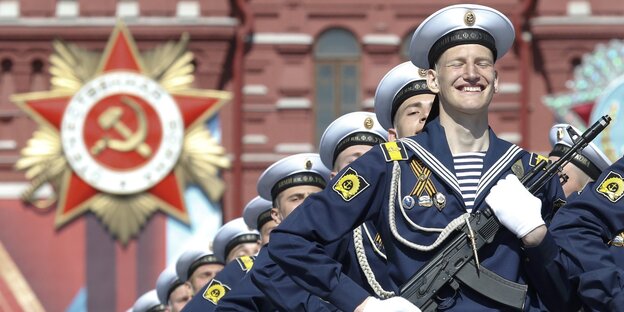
454, 262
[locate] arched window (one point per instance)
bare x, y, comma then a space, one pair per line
38, 81
7, 84
337, 76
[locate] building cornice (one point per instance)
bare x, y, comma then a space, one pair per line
282, 38
577, 20
13, 190
381, 39
99, 28
293, 103
110, 21
576, 27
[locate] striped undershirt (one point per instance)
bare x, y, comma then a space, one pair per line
468, 168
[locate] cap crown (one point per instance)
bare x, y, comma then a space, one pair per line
362, 128
289, 166
457, 17
391, 84
254, 209
559, 135
227, 233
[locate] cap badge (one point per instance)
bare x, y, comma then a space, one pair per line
368, 123
469, 18
559, 134
422, 72
308, 164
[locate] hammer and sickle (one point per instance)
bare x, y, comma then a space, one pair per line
111, 118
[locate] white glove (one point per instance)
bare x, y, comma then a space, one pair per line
394, 304
514, 206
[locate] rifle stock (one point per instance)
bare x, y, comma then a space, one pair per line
442, 269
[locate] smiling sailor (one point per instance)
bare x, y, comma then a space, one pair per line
415, 187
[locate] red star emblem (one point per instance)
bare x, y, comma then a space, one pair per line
122, 132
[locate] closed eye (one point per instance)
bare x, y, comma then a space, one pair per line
295, 198
455, 64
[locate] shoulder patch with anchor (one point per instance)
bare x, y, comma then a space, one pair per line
215, 291
350, 184
394, 151
611, 187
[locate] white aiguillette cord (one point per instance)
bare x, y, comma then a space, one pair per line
395, 186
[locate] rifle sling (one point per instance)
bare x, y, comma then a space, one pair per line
493, 286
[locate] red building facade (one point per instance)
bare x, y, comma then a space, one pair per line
292, 66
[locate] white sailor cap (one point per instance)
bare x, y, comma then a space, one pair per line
356, 128
191, 259
148, 302
166, 283
591, 159
460, 24
231, 234
400, 83
257, 212
294, 170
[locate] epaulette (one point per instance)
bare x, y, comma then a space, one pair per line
394, 151
246, 262
536, 159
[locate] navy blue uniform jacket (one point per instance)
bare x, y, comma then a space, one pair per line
360, 192
282, 294
586, 246
212, 293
